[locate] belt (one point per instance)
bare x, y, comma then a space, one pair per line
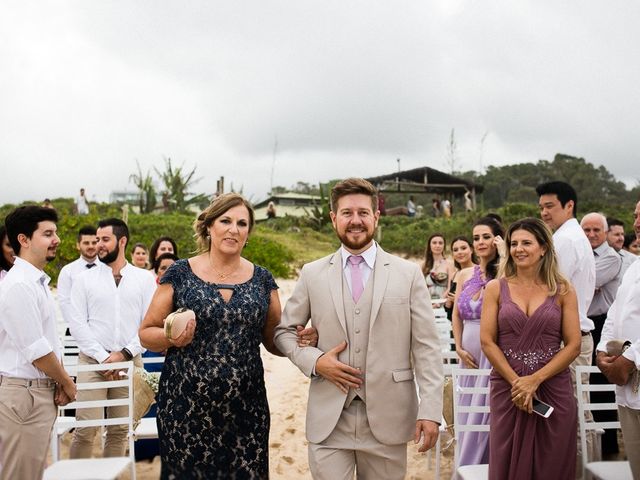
24, 382
584, 334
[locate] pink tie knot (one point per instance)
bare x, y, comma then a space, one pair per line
357, 284
355, 260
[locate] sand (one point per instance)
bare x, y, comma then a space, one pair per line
287, 390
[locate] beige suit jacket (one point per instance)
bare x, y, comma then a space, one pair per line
403, 341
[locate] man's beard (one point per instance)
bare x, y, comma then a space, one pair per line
50, 258
352, 245
111, 256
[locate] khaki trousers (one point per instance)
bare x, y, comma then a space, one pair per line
116, 439
351, 446
27, 414
630, 422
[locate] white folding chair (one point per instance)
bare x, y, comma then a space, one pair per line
469, 472
602, 470
98, 468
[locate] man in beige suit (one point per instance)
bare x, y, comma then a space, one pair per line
376, 334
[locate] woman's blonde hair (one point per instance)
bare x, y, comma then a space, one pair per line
218, 207
548, 270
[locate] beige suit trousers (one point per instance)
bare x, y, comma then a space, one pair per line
27, 414
116, 440
351, 446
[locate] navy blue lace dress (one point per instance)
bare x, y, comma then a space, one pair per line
213, 416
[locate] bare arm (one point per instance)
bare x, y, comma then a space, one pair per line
273, 319
50, 364
489, 332
458, 326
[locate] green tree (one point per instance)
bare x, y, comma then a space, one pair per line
177, 185
145, 185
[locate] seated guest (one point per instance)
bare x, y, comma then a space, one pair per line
160, 246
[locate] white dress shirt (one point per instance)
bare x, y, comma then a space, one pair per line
627, 259
575, 258
27, 321
65, 283
104, 317
623, 323
366, 267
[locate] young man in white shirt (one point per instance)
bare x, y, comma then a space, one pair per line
82, 205
107, 305
87, 245
32, 378
558, 208
623, 323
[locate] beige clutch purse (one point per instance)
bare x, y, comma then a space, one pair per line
176, 322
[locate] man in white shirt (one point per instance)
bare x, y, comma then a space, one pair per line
107, 305
87, 245
82, 205
558, 208
623, 323
32, 378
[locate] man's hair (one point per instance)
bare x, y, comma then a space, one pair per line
599, 216
120, 228
353, 186
164, 256
614, 222
88, 230
562, 190
24, 220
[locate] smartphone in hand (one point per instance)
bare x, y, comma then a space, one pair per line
541, 408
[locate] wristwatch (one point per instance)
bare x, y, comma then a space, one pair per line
127, 354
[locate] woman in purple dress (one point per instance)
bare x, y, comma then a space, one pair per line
473, 447
527, 315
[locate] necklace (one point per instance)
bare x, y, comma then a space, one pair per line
223, 275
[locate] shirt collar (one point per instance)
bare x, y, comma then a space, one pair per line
369, 255
602, 248
31, 272
572, 222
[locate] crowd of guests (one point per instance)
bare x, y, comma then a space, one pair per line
523, 301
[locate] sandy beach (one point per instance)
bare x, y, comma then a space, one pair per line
287, 390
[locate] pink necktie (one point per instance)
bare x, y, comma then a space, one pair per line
356, 276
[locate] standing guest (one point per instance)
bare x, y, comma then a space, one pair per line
530, 333
162, 263
213, 416
411, 207
558, 209
435, 207
608, 267
463, 257
487, 237
82, 205
376, 335
108, 304
468, 203
140, 256
623, 323
436, 268
446, 208
271, 210
7, 256
615, 238
381, 204
632, 244
32, 378
162, 245
87, 245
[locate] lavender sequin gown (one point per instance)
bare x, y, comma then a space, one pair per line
528, 446
473, 447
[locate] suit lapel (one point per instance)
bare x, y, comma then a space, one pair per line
380, 279
334, 279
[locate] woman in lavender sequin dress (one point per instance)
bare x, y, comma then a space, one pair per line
526, 317
473, 447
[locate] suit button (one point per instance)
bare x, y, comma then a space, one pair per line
357, 330
357, 310
357, 350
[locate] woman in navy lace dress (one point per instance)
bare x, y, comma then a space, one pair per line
213, 417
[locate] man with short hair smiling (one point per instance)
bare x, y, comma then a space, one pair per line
87, 245
615, 237
377, 339
32, 378
108, 305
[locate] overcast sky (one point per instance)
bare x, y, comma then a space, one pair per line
346, 87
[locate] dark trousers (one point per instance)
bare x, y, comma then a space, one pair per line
610, 437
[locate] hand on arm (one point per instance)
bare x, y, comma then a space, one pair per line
51, 366
340, 374
307, 337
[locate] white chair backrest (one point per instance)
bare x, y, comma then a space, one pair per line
583, 390
458, 392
